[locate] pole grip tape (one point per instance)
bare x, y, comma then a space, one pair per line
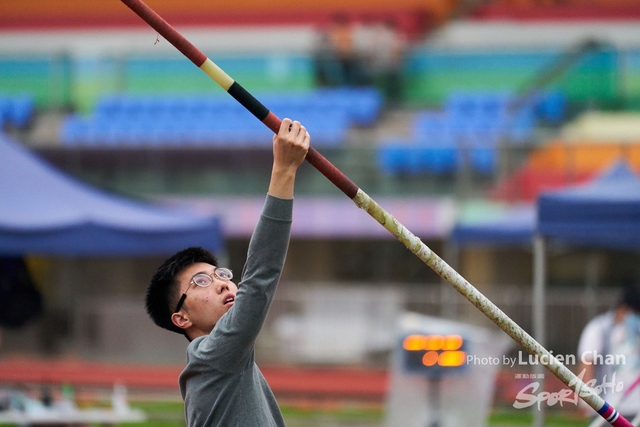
248, 101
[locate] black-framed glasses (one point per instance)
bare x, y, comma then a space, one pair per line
205, 280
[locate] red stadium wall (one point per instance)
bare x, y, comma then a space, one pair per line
559, 10
90, 13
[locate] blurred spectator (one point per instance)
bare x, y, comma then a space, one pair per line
328, 68
366, 53
615, 333
387, 59
338, 62
365, 48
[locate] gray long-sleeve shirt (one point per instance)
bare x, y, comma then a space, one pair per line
221, 384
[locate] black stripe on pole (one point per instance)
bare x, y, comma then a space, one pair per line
248, 101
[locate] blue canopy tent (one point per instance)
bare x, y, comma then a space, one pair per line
604, 212
46, 212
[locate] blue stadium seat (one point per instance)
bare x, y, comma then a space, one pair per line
437, 160
201, 133
5, 108
483, 138
327, 128
100, 133
483, 159
122, 134
109, 106
433, 129
393, 156
470, 126
401, 157
132, 119
461, 105
145, 132
366, 105
521, 125
132, 106
21, 110
493, 104
73, 131
551, 107
363, 105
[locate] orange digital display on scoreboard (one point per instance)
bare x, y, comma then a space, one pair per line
434, 354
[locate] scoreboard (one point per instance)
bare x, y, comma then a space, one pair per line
434, 355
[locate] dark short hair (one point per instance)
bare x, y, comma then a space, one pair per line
162, 292
631, 295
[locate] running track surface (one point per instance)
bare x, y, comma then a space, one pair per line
293, 383
350, 383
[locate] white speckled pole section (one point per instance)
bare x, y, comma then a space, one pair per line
437, 264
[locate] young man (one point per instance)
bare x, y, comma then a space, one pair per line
221, 384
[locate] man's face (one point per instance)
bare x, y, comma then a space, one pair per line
205, 306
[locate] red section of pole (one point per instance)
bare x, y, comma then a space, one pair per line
167, 31
318, 161
272, 122
332, 173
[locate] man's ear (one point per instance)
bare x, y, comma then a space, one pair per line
181, 320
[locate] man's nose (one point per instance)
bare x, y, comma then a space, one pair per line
222, 286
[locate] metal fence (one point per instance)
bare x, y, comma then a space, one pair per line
356, 323
316, 323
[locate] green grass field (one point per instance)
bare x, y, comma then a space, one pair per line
170, 414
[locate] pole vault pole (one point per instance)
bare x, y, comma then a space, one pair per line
363, 201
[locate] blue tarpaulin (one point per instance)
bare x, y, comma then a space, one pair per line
604, 212
514, 226
46, 212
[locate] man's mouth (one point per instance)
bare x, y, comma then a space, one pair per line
229, 300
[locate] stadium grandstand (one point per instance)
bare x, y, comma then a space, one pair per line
445, 110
